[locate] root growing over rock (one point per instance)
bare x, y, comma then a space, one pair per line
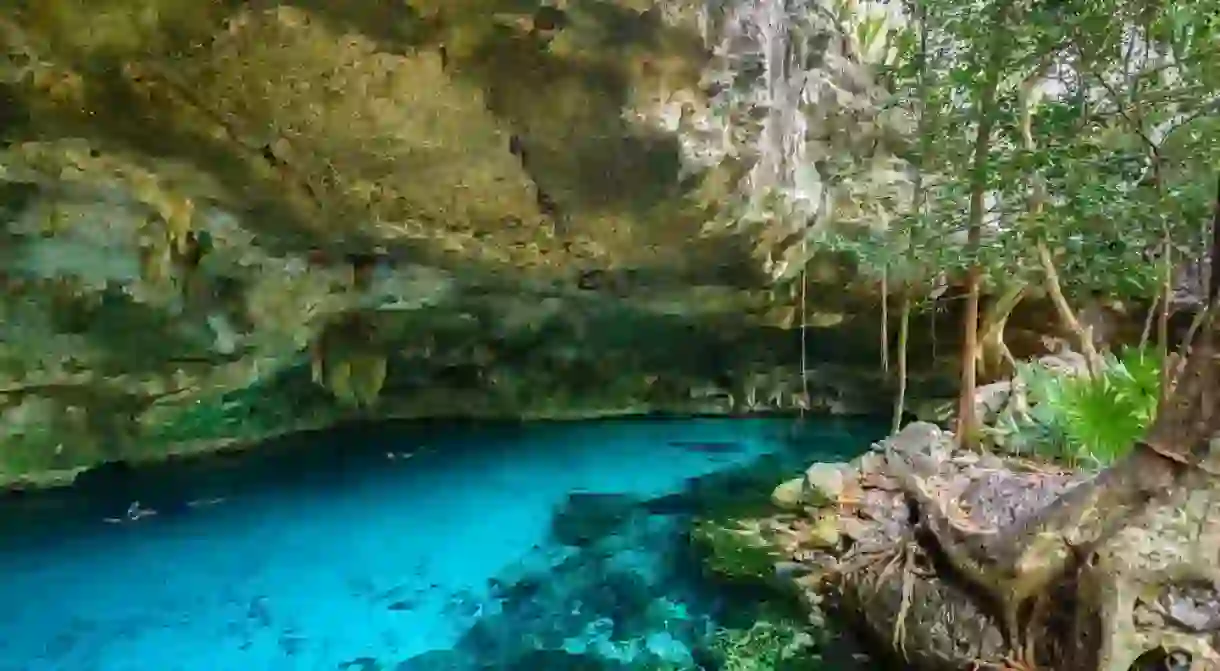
960, 560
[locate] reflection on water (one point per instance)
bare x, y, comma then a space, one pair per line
429, 547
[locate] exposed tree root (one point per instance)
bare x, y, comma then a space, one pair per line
908, 585
1015, 564
993, 354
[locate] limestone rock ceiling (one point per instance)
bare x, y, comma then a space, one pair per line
481, 130
222, 220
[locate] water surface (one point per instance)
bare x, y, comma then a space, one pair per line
391, 547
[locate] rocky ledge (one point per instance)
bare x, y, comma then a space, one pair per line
855, 538
952, 559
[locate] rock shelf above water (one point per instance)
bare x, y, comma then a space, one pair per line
1148, 595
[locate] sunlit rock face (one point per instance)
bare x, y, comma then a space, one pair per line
224, 220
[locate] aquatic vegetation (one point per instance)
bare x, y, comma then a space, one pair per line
767, 646
735, 553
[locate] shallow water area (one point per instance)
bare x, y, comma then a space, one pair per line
434, 546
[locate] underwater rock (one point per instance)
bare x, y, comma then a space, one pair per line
588, 517
435, 660
601, 595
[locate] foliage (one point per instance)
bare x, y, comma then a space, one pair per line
1101, 117
1116, 96
1086, 420
766, 646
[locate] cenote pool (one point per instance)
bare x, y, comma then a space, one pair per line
408, 547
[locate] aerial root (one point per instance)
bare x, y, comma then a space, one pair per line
891, 559
1029, 646
908, 589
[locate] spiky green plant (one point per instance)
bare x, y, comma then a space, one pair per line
1089, 421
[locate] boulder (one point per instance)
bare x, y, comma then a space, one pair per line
990, 400
789, 495
823, 484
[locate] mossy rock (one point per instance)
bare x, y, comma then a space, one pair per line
734, 552
767, 645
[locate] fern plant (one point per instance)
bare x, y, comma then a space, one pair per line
1089, 421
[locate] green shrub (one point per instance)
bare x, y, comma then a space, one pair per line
1087, 421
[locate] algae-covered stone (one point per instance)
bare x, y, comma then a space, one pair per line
735, 552
789, 495
824, 534
824, 484
767, 644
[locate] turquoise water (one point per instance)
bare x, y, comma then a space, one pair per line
392, 547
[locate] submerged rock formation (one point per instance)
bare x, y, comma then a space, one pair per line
220, 221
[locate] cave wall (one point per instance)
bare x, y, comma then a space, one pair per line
222, 221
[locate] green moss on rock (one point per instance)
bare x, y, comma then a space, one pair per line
735, 552
768, 645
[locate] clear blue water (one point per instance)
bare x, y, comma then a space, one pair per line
338, 551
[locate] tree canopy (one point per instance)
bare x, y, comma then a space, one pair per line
1066, 147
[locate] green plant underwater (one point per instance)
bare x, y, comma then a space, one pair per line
1083, 420
766, 646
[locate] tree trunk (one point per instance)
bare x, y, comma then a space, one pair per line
966, 421
1213, 273
1083, 335
993, 353
885, 319
904, 331
1162, 328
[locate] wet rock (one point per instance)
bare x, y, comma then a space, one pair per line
824, 534
824, 484
561, 660
587, 517
789, 495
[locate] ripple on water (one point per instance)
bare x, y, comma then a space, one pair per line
508, 547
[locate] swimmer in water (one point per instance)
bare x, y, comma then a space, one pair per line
135, 512
395, 456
